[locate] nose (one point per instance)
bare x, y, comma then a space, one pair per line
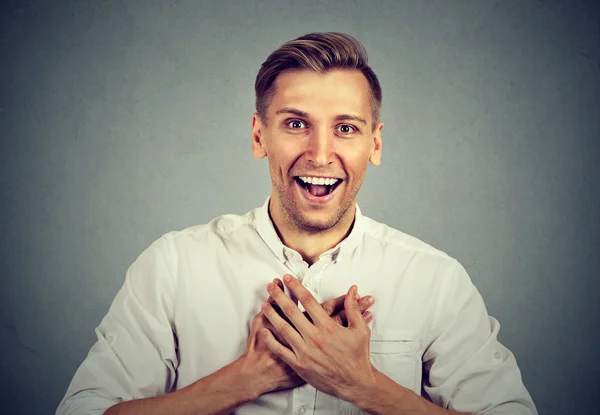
320, 147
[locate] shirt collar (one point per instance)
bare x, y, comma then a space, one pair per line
266, 230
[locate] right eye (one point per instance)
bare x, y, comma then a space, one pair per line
296, 124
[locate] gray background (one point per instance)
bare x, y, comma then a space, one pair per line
120, 121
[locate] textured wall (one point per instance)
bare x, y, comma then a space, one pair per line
122, 120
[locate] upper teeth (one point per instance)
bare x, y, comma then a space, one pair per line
318, 180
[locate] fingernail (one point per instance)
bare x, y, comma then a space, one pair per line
355, 293
370, 300
287, 278
270, 286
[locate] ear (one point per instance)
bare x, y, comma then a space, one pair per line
258, 149
375, 156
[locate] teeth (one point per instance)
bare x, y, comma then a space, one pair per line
318, 180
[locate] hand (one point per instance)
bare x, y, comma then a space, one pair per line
333, 308
272, 373
330, 357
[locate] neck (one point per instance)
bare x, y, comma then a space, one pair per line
310, 244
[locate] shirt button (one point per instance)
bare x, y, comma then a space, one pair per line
497, 356
302, 409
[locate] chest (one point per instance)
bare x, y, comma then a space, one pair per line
216, 306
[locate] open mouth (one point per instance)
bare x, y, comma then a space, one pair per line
318, 190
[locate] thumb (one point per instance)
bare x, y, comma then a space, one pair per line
353, 311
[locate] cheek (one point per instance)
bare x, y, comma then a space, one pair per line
279, 163
356, 162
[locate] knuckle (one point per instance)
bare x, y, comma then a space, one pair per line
283, 329
288, 310
330, 329
328, 307
305, 298
317, 340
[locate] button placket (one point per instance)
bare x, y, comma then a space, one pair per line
314, 274
304, 400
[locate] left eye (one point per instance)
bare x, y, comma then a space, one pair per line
345, 128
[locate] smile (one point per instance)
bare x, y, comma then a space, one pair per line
317, 189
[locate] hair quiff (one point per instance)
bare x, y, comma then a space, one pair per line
317, 52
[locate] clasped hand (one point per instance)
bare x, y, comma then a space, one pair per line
332, 358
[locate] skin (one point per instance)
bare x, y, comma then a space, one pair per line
305, 135
332, 358
256, 372
273, 373
307, 132
321, 125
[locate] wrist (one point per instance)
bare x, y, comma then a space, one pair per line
366, 387
231, 380
379, 395
245, 374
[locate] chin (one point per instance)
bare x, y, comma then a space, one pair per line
317, 221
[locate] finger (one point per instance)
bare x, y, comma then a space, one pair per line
334, 305
340, 317
291, 310
280, 284
267, 324
353, 312
311, 305
282, 327
365, 303
277, 348
275, 305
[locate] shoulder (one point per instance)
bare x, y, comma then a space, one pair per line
202, 237
418, 261
395, 240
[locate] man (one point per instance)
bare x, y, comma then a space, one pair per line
190, 331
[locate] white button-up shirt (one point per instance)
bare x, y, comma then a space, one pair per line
187, 303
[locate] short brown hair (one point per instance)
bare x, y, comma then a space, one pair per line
317, 52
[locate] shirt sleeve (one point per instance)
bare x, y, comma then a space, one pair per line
466, 368
135, 355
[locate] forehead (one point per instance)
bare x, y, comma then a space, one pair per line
337, 91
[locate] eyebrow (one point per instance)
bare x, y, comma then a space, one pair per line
340, 117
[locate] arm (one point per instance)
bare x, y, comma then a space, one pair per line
335, 359
218, 393
132, 368
387, 397
466, 368
135, 354
225, 390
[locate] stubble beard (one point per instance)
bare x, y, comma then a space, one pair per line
295, 218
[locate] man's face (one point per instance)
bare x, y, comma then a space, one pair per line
318, 126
